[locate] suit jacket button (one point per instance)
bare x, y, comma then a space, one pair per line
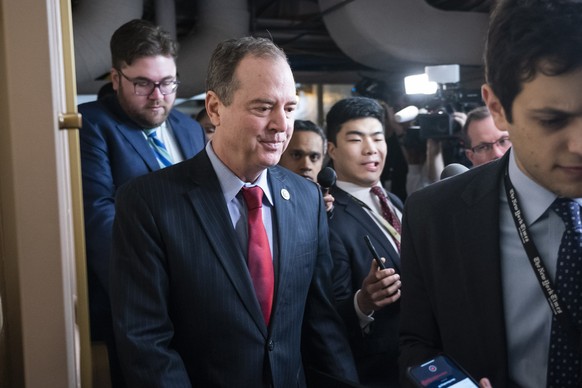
270, 345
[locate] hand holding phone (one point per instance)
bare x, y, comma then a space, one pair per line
441, 371
374, 252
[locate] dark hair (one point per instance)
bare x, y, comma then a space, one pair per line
350, 109
137, 39
226, 57
530, 36
477, 114
310, 126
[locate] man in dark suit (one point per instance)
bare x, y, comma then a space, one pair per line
366, 297
115, 148
474, 285
189, 308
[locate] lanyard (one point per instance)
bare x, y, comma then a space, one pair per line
536, 262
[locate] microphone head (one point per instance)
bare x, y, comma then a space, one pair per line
326, 177
452, 170
407, 114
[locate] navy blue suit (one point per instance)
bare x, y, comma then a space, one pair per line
185, 311
113, 151
376, 351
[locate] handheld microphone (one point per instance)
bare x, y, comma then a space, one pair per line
407, 114
326, 178
452, 170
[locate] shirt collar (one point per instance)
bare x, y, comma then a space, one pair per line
534, 199
362, 193
230, 183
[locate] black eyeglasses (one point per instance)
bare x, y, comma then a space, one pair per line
145, 87
484, 147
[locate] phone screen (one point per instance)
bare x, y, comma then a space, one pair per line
441, 372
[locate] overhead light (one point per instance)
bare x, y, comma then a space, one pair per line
443, 74
419, 84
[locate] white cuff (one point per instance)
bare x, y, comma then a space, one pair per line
364, 319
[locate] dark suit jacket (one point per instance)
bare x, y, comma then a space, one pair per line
185, 311
376, 352
113, 151
451, 274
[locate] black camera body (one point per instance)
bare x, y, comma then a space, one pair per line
439, 122
436, 125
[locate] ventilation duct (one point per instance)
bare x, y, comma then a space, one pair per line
378, 33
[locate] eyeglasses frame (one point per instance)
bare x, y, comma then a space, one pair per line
158, 85
502, 138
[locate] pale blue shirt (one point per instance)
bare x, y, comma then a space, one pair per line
231, 186
528, 317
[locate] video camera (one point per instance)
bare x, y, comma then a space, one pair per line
435, 119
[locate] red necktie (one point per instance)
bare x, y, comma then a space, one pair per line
259, 258
387, 212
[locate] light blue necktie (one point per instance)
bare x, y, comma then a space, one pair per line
162, 154
565, 357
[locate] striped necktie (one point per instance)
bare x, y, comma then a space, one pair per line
387, 212
160, 150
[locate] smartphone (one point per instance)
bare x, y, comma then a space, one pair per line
441, 371
374, 252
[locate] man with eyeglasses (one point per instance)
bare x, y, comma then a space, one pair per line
484, 142
133, 132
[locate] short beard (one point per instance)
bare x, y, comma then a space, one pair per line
140, 119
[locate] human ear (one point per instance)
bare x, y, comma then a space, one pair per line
212, 107
495, 107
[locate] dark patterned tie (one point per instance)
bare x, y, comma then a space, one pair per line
565, 356
259, 257
387, 212
162, 154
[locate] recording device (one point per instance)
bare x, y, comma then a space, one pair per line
326, 178
374, 253
441, 371
436, 119
407, 114
452, 170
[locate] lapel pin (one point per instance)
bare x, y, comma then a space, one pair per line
285, 194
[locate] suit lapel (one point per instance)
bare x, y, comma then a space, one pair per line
136, 138
132, 133
285, 227
208, 202
476, 230
184, 136
363, 218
